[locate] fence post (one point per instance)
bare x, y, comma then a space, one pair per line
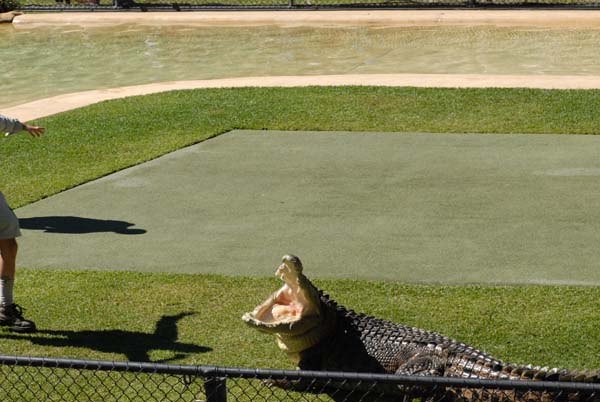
215, 389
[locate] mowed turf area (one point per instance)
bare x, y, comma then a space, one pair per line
115, 315
434, 208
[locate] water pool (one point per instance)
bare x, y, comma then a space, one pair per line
43, 61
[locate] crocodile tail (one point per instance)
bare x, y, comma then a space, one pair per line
474, 367
477, 368
537, 373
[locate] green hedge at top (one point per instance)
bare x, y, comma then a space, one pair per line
9, 5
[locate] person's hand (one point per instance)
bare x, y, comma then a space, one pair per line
35, 131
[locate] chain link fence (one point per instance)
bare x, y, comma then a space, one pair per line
43, 379
181, 5
162, 5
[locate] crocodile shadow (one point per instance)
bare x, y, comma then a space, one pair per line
77, 225
134, 345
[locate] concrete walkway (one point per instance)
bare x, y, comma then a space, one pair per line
516, 17
437, 208
62, 103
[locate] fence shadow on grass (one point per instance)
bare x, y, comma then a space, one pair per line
136, 346
78, 225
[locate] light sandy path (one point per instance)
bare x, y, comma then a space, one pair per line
61, 103
531, 18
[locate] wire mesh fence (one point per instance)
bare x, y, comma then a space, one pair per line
179, 5
45, 379
145, 5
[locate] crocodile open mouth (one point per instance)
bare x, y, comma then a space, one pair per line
292, 307
280, 308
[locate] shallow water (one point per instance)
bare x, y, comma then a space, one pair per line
39, 62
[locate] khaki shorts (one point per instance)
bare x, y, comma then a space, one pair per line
9, 224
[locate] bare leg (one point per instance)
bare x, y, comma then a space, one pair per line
8, 258
10, 313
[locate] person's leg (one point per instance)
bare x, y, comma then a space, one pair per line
11, 314
8, 259
9, 231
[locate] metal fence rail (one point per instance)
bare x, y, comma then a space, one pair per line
46, 379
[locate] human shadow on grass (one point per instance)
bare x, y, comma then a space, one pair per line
78, 225
135, 345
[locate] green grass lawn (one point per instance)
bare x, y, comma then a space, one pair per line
82, 313
113, 316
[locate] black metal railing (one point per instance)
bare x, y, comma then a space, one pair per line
68, 380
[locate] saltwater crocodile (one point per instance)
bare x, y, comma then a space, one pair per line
318, 334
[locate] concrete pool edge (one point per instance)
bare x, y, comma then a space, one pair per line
529, 18
61, 103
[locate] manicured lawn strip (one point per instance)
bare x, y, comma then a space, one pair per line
112, 315
94, 141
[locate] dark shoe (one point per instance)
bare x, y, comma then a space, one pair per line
12, 316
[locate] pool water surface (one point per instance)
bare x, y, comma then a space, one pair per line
38, 62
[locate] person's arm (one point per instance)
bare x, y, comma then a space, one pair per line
10, 126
